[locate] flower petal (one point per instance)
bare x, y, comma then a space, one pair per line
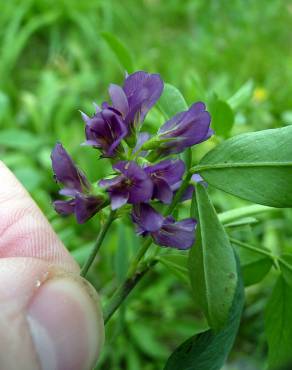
105, 131
186, 129
147, 218
162, 191
64, 207
179, 235
66, 171
142, 90
86, 207
170, 170
119, 99
118, 199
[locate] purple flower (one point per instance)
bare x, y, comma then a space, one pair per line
185, 129
142, 91
166, 175
76, 186
164, 231
130, 104
133, 185
139, 93
105, 130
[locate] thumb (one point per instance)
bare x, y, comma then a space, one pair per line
50, 318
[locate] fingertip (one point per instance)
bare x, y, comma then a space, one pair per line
66, 324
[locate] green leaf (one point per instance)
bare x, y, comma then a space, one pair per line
145, 337
242, 222
278, 318
242, 95
255, 166
20, 140
222, 117
176, 264
285, 262
171, 101
212, 264
254, 266
120, 50
209, 350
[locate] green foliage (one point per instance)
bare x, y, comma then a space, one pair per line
212, 261
171, 101
176, 264
254, 166
209, 350
222, 116
278, 317
254, 265
242, 95
120, 50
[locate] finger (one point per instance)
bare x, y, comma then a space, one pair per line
49, 319
24, 231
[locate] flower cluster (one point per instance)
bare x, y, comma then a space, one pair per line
143, 176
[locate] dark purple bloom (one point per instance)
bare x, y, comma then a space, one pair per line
130, 104
76, 186
164, 231
142, 91
139, 93
105, 130
133, 185
185, 129
146, 218
166, 175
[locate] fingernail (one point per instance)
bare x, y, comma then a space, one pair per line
66, 324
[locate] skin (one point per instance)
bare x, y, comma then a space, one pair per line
50, 318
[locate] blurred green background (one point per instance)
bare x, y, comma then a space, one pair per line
57, 57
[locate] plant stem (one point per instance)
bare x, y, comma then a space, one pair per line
252, 248
97, 244
133, 266
123, 291
237, 213
178, 195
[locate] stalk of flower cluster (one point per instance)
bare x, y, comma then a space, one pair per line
124, 290
97, 245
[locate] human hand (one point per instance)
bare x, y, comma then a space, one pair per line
50, 318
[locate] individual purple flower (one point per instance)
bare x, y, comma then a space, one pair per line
165, 176
142, 90
185, 129
133, 185
76, 187
139, 93
105, 130
165, 232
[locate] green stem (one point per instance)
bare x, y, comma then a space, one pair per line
141, 252
97, 245
252, 248
123, 291
237, 213
219, 166
178, 195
